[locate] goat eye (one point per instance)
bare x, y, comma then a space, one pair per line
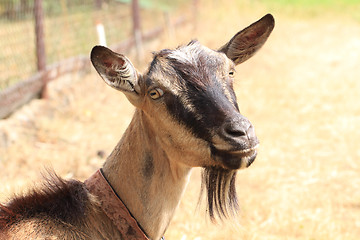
156, 93
231, 73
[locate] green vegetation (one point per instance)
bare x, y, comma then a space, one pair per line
310, 4
350, 8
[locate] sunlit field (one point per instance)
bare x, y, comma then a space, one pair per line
301, 92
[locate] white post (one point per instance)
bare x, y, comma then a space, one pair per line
101, 33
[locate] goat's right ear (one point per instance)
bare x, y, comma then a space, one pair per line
115, 69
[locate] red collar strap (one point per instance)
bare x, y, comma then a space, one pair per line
113, 207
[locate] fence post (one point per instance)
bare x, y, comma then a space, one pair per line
98, 4
137, 29
40, 44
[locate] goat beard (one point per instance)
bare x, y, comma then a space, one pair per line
221, 194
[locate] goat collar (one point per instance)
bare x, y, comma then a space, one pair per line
113, 207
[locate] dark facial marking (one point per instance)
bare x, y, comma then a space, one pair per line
203, 91
186, 117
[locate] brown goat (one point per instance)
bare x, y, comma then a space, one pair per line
186, 116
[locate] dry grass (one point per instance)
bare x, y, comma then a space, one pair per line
302, 94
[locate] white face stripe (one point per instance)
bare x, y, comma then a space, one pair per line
186, 54
189, 53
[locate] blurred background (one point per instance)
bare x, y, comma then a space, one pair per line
301, 91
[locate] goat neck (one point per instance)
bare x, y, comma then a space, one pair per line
147, 181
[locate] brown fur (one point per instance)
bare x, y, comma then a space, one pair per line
60, 209
59, 199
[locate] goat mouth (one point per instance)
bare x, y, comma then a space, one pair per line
235, 159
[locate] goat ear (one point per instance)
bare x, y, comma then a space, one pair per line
246, 42
115, 69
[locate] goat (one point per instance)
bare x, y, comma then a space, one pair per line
186, 116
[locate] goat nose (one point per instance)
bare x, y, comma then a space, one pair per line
232, 130
237, 128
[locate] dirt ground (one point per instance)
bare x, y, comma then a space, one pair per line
301, 92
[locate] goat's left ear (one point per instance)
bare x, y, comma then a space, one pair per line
116, 70
246, 42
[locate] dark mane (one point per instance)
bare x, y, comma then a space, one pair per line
57, 199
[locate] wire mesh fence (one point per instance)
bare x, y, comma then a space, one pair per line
41, 40
69, 30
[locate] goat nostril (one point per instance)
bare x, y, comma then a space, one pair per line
235, 131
